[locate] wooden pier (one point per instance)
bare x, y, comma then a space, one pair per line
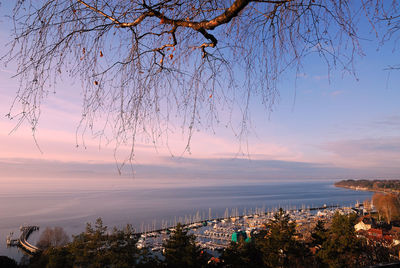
22, 242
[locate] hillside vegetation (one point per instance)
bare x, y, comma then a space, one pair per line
371, 185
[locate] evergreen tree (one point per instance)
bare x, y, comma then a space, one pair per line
342, 248
278, 245
318, 237
242, 254
89, 247
182, 251
58, 258
319, 234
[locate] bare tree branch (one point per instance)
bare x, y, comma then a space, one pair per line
144, 63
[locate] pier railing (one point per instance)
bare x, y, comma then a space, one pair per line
23, 240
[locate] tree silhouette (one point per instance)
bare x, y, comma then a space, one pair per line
278, 245
97, 248
242, 254
141, 63
7, 262
341, 248
319, 234
182, 251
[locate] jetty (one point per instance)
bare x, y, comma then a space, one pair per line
22, 242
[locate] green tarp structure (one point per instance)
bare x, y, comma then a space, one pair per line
236, 236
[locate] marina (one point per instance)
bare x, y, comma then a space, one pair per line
212, 234
216, 234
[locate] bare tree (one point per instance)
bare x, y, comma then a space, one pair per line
387, 205
144, 62
391, 20
53, 237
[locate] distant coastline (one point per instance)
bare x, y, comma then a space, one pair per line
386, 186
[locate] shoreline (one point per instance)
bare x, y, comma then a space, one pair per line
358, 188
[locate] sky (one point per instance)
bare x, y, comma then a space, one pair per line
322, 127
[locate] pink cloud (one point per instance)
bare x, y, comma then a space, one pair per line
372, 152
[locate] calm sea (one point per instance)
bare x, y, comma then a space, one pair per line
70, 204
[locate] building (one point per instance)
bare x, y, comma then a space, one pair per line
365, 223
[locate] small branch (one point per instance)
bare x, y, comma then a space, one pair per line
138, 20
120, 24
210, 37
172, 32
100, 12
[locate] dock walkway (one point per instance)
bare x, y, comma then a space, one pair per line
23, 239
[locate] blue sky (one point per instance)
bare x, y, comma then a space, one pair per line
322, 127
